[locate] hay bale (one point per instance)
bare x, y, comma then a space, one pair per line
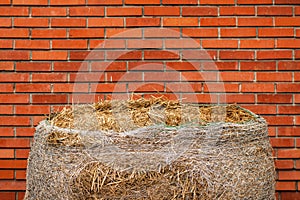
221, 157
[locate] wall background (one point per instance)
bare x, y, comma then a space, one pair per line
44, 42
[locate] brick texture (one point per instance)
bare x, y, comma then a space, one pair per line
51, 49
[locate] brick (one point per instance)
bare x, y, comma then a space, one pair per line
286, 2
63, 87
145, 66
69, 44
274, 54
258, 65
6, 174
49, 55
237, 98
67, 2
285, 186
288, 87
262, 109
5, 22
282, 142
238, 32
161, 55
32, 44
198, 54
221, 66
289, 131
138, 22
27, 132
274, 98
279, 120
6, 132
275, 32
49, 99
31, 22
87, 55
108, 87
161, 33
288, 65
258, 87
251, 2
180, 2
161, 11
236, 11
200, 32
30, 3
37, 119
6, 66
49, 77
14, 77
289, 110
290, 195
287, 21
274, 11
123, 55
255, 21
220, 87
68, 22
86, 77
105, 22
13, 185
236, 76
87, 33
86, 98
33, 66
123, 76
182, 43
14, 55
274, 76
7, 153
257, 43
70, 66
33, 88
22, 153
217, 21
183, 87
124, 11
20, 174
104, 2
15, 142
44, 12
219, 44
199, 98
142, 2
5, 2
49, 33
165, 76
284, 164
144, 43
183, 66
288, 175
108, 43
297, 54
187, 21
13, 121
297, 76
6, 110
145, 87
6, 88
31, 110
288, 43
199, 11
243, 55
203, 76
14, 11
6, 44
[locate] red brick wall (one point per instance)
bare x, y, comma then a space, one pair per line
43, 43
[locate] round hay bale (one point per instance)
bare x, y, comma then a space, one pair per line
215, 160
